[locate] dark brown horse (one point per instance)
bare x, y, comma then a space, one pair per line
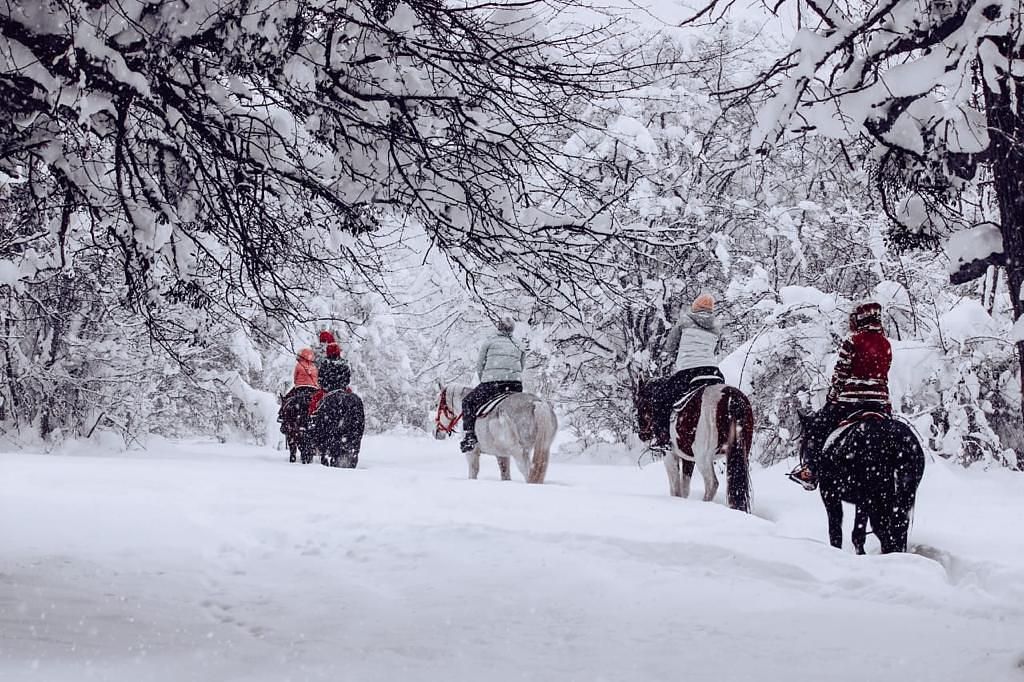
294, 415
713, 421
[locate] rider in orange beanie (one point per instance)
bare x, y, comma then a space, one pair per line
692, 342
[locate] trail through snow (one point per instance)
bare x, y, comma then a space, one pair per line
213, 562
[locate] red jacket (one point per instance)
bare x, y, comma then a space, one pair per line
862, 372
305, 370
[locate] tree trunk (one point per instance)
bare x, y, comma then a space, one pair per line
1006, 127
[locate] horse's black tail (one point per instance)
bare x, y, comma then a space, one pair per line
737, 459
894, 517
908, 477
352, 427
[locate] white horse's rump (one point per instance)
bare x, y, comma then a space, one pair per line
521, 427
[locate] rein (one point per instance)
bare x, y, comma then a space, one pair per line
445, 412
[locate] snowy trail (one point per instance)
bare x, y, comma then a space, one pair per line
212, 562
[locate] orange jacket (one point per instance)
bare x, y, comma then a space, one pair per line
305, 370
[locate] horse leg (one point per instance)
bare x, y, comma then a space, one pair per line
672, 468
901, 526
834, 509
685, 476
706, 465
881, 522
292, 447
891, 523
860, 528
473, 457
903, 508
505, 467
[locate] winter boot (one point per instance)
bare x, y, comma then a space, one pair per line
804, 476
469, 442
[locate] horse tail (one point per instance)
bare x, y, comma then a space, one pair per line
908, 474
351, 428
737, 458
545, 425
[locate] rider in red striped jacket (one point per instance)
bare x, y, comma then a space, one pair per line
860, 382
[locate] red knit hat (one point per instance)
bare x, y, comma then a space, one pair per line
865, 315
333, 351
326, 337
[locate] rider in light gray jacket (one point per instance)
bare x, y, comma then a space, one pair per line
500, 366
693, 341
501, 359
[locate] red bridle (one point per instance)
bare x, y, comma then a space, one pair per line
445, 412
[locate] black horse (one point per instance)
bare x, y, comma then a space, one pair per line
336, 428
875, 464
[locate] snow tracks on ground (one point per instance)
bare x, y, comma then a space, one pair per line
212, 562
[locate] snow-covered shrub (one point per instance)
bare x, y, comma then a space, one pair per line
952, 380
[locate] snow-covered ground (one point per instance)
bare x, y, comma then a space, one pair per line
213, 562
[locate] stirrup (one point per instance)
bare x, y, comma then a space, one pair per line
802, 475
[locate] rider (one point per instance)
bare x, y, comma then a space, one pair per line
295, 404
692, 341
305, 373
327, 407
334, 374
500, 366
860, 382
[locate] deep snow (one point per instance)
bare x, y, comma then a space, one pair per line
212, 562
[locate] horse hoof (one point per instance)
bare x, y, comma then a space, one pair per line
291, 458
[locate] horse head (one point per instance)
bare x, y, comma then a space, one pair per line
644, 411
807, 424
446, 419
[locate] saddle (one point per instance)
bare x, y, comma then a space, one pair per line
294, 407
489, 406
846, 425
696, 385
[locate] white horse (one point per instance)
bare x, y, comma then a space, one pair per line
521, 427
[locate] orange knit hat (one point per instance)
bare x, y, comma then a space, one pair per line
703, 302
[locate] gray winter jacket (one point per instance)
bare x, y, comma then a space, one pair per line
693, 340
501, 359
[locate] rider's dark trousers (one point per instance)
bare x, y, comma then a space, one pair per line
667, 392
480, 395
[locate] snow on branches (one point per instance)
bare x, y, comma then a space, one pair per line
230, 149
922, 80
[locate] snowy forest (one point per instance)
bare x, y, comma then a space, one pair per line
606, 243
190, 191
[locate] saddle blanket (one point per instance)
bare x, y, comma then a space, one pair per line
489, 406
695, 386
846, 426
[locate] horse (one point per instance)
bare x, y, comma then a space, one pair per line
521, 427
294, 415
336, 428
875, 464
711, 422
